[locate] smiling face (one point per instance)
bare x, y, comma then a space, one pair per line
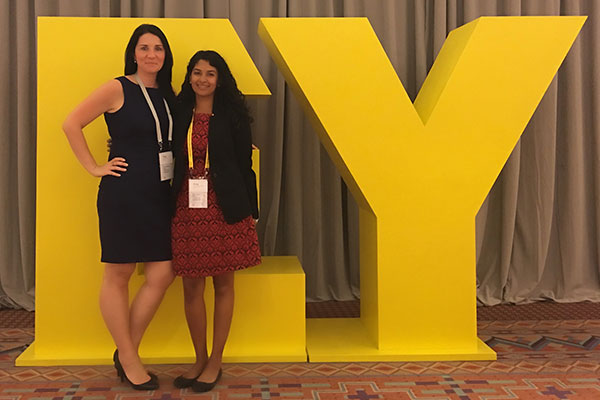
149, 53
204, 79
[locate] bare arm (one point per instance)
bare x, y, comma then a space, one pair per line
107, 98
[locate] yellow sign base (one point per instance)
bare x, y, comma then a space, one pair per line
268, 325
347, 340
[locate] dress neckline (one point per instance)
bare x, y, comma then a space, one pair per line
135, 84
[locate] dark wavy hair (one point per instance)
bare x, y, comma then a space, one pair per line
227, 95
163, 77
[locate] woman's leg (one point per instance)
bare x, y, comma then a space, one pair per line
224, 298
114, 306
195, 315
158, 276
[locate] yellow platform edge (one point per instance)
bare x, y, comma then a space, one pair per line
346, 340
29, 359
276, 335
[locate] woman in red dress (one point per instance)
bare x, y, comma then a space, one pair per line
215, 202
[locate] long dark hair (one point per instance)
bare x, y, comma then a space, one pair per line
227, 95
163, 77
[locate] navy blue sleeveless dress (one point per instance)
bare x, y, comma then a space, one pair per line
133, 209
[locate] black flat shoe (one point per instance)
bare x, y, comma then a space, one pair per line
181, 382
150, 384
200, 387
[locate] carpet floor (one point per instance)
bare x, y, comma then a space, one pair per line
546, 351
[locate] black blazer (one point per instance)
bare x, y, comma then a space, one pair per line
230, 157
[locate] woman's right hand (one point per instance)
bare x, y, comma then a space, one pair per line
112, 167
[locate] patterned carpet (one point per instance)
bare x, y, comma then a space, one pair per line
549, 358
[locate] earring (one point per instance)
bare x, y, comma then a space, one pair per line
134, 61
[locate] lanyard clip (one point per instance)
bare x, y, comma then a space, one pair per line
162, 146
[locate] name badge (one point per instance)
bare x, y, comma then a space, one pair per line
198, 193
165, 161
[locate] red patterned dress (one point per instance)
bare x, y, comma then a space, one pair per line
203, 243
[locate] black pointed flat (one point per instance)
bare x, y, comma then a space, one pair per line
200, 387
181, 382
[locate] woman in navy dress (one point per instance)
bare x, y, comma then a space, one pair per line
133, 197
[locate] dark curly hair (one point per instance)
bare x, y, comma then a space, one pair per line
227, 95
163, 77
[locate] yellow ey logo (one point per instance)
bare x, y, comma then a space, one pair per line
419, 174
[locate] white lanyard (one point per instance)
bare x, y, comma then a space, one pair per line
156, 121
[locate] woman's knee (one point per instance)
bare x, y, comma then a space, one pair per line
223, 284
159, 274
193, 288
118, 274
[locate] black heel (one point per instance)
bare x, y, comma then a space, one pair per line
118, 365
150, 384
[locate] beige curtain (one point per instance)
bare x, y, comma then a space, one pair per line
537, 232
